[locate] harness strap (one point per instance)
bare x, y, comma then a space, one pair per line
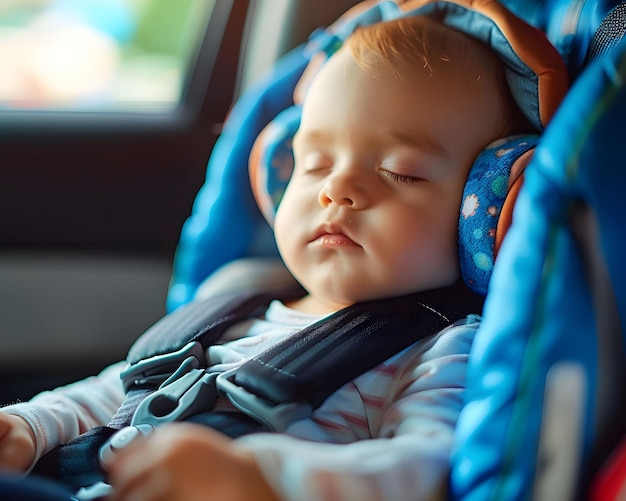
204, 320
76, 463
315, 362
284, 383
124, 415
291, 379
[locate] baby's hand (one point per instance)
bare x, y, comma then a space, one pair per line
17, 443
186, 462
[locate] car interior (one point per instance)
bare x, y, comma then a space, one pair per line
97, 198
109, 217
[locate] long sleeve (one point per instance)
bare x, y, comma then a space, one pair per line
59, 415
385, 436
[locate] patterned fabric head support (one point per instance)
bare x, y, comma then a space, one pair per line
538, 81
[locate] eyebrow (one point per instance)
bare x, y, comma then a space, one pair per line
423, 142
312, 136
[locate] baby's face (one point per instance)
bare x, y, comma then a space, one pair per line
372, 208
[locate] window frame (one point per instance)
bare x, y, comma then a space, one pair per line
68, 179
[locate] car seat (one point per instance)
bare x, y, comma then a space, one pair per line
548, 359
547, 378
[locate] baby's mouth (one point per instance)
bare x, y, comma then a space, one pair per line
333, 236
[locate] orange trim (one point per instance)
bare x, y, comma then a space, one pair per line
301, 88
506, 215
516, 180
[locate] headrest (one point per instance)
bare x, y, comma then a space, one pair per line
538, 81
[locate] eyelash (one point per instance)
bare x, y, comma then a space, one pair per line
398, 178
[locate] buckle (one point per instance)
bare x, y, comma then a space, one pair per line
155, 370
122, 439
95, 492
178, 398
277, 417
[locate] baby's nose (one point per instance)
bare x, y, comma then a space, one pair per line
345, 188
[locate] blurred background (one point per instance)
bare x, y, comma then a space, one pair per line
98, 54
105, 128
109, 110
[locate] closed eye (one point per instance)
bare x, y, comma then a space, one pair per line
399, 178
313, 162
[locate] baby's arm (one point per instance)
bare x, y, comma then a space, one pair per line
54, 417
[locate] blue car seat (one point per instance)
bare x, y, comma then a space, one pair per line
546, 378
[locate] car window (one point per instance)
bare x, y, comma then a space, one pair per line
98, 55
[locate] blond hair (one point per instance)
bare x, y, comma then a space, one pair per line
422, 43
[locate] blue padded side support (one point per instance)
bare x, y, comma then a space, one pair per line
209, 238
539, 310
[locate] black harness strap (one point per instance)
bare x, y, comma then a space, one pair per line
315, 362
204, 321
304, 369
